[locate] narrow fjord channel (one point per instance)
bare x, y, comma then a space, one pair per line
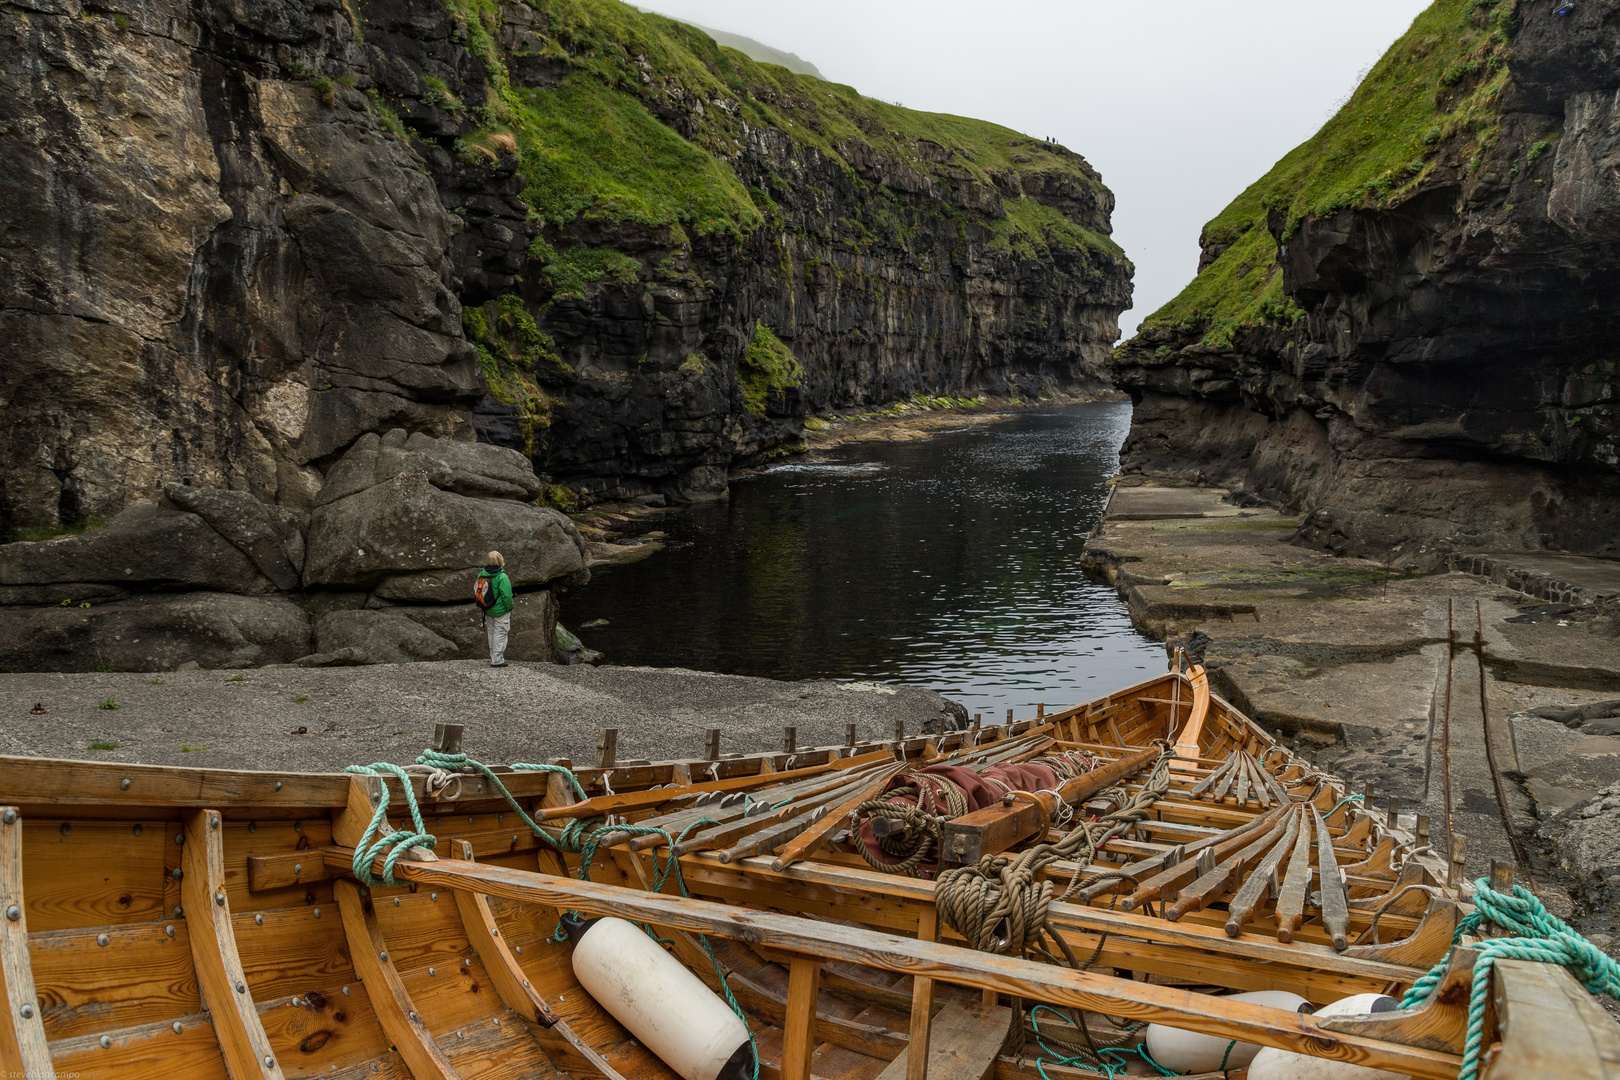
951, 562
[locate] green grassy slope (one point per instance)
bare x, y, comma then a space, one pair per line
1436, 86
596, 147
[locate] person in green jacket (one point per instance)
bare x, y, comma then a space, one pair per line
494, 593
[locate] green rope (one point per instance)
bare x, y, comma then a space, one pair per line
1358, 797
438, 759
1539, 936
396, 842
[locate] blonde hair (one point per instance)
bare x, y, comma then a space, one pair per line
494, 558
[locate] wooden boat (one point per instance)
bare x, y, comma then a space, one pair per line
199, 924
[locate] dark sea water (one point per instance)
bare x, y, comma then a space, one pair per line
951, 563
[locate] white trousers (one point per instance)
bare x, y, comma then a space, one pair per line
497, 629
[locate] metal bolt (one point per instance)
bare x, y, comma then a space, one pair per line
179, 837
13, 912
179, 912
139, 829
278, 785
177, 873
258, 919
497, 1021
467, 962
317, 913
241, 988
219, 898
253, 826
461, 1034
177, 1028
67, 827
168, 931
296, 1002
383, 957
269, 1062
103, 940
298, 826
11, 817
27, 1012
345, 991
396, 901
414, 1017
525, 982
298, 868
106, 1043
213, 821
123, 785
432, 972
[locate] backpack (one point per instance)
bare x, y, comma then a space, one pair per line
484, 591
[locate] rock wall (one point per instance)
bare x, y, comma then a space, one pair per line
238, 237
1423, 358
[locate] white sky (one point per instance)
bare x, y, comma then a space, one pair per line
1180, 104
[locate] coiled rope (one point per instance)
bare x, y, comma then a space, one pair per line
1000, 906
439, 770
1537, 935
923, 801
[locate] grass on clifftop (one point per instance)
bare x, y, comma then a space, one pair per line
605, 143
1437, 84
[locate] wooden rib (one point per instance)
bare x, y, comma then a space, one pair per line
1291, 902
510, 984
398, 1016
1335, 909
220, 977
811, 840
23, 1049
799, 1031
1425, 945
1260, 882
922, 1002
948, 963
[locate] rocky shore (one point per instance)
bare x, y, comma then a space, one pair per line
321, 719
1350, 656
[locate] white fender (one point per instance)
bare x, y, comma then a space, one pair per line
1274, 1064
659, 1001
1183, 1051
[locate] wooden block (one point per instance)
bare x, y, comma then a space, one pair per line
966, 1043
1550, 1026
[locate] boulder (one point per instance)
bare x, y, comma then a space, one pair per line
269, 535
534, 626
367, 636
478, 470
398, 536
145, 546
398, 635
155, 633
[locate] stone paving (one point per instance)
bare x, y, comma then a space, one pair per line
1350, 656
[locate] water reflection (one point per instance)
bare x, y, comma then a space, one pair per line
951, 563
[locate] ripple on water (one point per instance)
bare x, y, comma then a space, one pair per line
951, 562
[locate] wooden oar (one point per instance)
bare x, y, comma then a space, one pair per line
810, 841
1201, 891
1335, 908
1263, 880
770, 836
1183, 872
643, 800
1291, 904
676, 821
1212, 779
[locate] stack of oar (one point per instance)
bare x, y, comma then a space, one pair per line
1241, 776
1269, 858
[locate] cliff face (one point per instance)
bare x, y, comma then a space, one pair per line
1408, 327
238, 237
